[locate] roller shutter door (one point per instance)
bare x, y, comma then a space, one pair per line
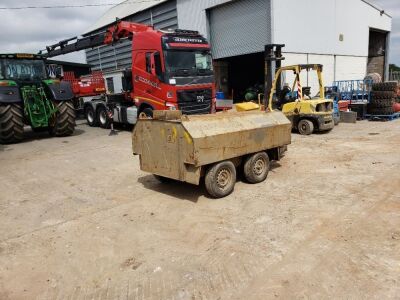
240, 27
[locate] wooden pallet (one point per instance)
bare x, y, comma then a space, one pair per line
383, 117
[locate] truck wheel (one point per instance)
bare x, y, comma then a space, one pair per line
256, 167
102, 117
63, 120
220, 179
146, 113
11, 123
90, 116
305, 127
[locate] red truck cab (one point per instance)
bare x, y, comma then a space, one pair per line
172, 70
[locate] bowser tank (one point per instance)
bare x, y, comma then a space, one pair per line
187, 148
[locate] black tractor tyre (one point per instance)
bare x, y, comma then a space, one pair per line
385, 86
220, 179
63, 121
256, 167
381, 103
381, 111
102, 117
305, 127
11, 123
377, 95
146, 113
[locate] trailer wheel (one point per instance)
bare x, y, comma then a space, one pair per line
62, 122
102, 117
305, 127
11, 123
256, 167
220, 179
90, 116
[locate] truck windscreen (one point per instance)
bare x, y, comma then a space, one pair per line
22, 69
188, 63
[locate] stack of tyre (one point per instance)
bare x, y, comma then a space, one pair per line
383, 97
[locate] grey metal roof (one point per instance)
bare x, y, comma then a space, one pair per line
122, 10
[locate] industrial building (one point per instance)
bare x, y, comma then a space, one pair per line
349, 37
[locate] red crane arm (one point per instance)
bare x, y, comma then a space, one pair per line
124, 29
119, 30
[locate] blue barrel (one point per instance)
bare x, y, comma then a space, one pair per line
220, 95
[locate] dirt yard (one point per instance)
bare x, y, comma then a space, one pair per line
79, 220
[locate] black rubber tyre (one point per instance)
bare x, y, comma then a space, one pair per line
305, 127
11, 123
381, 103
256, 167
381, 111
385, 86
146, 113
102, 117
220, 179
376, 95
90, 116
63, 121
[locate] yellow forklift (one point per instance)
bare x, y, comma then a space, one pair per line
306, 113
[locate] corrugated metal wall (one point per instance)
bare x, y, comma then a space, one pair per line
117, 57
240, 27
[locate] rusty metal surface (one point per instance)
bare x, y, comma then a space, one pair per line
177, 147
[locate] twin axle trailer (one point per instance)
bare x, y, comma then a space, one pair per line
213, 147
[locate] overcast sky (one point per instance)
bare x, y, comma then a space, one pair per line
31, 29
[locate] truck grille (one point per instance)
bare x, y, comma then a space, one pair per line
192, 102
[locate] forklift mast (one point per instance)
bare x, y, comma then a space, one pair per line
273, 53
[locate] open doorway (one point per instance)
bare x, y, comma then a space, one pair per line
236, 76
377, 52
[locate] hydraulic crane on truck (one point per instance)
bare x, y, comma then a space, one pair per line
170, 70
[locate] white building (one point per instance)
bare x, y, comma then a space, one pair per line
349, 37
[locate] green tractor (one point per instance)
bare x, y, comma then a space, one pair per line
28, 96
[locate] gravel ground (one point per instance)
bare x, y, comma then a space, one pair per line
79, 220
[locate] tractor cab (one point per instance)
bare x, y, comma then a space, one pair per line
28, 97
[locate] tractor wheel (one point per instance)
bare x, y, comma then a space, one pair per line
11, 123
102, 117
256, 167
385, 86
220, 179
90, 116
63, 121
377, 95
381, 111
305, 127
381, 103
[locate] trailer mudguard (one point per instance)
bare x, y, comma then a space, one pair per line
59, 90
10, 94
